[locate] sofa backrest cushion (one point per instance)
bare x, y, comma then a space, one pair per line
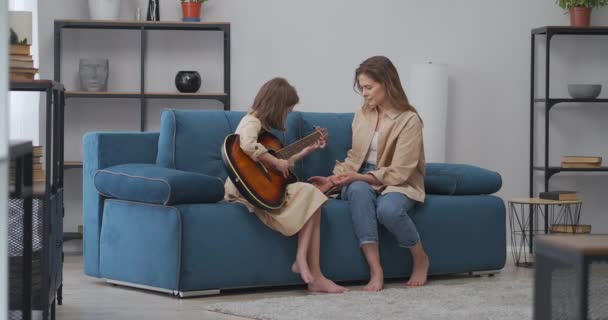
339, 127
191, 140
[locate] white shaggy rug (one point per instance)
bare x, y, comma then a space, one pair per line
468, 299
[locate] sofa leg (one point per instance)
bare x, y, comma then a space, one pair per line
199, 293
489, 273
139, 286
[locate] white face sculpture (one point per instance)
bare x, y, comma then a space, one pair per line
93, 74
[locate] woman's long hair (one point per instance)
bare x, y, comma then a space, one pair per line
273, 102
382, 70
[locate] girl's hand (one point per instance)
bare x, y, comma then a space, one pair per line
319, 144
347, 178
322, 183
282, 166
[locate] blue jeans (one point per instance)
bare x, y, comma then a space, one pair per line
367, 207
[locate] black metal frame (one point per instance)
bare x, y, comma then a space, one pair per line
53, 185
546, 255
143, 27
22, 153
549, 102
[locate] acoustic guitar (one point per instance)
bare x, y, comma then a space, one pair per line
262, 185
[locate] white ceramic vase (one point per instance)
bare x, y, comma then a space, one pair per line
104, 9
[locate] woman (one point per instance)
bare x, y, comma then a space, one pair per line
301, 213
382, 176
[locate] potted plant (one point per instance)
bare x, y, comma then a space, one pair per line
191, 9
580, 10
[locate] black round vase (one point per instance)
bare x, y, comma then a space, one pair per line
188, 81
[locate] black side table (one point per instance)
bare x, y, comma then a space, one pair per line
51, 191
570, 280
525, 224
21, 153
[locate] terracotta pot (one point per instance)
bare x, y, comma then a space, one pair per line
580, 16
191, 9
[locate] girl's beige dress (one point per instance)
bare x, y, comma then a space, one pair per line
302, 199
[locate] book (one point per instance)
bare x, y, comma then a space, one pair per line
581, 159
21, 64
19, 76
20, 49
23, 70
569, 228
581, 165
21, 57
561, 195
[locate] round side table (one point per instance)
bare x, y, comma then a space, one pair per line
525, 216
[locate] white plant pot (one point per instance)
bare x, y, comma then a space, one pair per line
104, 9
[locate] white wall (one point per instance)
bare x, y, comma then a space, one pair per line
3, 164
318, 44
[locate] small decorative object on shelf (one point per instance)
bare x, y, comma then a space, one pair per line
104, 9
580, 10
584, 91
153, 10
191, 10
94, 74
188, 81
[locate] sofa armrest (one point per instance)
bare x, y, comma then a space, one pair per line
460, 179
150, 183
101, 150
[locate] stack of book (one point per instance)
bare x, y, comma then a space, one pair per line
581, 162
38, 171
21, 63
560, 195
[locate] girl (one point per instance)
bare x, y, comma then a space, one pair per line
382, 176
301, 213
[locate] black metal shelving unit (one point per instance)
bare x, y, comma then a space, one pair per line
50, 192
548, 102
21, 153
144, 27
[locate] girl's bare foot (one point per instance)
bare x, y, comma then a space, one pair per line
376, 282
301, 267
419, 274
322, 284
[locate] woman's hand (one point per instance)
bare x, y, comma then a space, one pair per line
322, 183
348, 178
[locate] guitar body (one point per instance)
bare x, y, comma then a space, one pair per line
261, 185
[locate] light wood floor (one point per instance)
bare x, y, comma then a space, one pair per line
87, 298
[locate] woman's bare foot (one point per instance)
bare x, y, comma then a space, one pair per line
301, 268
419, 274
376, 282
322, 284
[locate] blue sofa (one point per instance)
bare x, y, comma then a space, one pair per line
154, 218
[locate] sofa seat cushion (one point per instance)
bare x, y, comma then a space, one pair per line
150, 183
460, 179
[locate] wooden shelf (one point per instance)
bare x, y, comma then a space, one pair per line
91, 94
553, 169
142, 25
553, 30
553, 101
72, 164
147, 95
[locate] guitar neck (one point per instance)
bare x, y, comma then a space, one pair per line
298, 146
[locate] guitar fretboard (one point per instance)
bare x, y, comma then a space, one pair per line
297, 146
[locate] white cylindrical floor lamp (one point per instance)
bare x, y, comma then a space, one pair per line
427, 91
